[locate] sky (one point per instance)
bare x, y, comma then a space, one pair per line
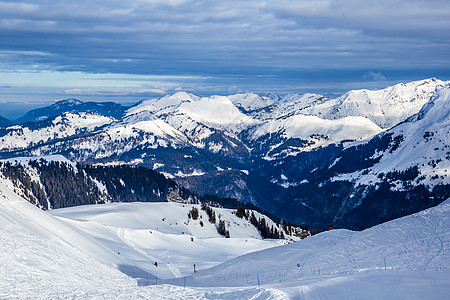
126, 51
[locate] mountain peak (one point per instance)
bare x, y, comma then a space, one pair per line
252, 101
70, 102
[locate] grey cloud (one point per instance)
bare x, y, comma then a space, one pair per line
411, 18
376, 76
213, 40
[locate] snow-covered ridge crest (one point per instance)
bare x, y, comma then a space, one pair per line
386, 107
162, 104
25, 160
217, 112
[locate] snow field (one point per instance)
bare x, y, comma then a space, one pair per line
74, 256
144, 233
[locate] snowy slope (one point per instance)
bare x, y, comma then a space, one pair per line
423, 142
57, 257
65, 125
43, 257
187, 113
407, 258
147, 232
315, 132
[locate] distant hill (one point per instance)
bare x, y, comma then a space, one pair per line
4, 122
109, 109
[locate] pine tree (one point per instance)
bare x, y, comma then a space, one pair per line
194, 213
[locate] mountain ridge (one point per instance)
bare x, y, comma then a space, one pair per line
262, 149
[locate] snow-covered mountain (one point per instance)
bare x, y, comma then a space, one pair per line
239, 124
386, 107
422, 142
101, 251
18, 137
400, 171
310, 132
109, 109
273, 151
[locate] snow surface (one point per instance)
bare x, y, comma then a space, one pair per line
44, 256
425, 143
251, 101
147, 232
321, 132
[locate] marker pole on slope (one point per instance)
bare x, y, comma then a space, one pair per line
259, 285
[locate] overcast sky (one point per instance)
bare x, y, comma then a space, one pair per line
111, 50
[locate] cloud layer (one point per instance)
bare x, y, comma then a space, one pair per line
228, 45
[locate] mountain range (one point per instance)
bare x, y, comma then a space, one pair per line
353, 161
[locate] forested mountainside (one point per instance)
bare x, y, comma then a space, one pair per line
54, 182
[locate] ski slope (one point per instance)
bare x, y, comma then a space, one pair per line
49, 257
145, 233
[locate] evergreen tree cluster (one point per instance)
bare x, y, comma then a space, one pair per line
222, 230
131, 183
62, 185
66, 186
240, 213
264, 229
29, 189
409, 174
194, 213
210, 212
